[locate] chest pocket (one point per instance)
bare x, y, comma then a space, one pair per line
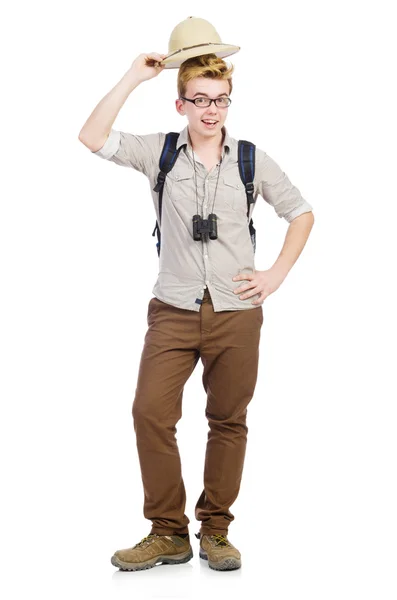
180, 186
234, 193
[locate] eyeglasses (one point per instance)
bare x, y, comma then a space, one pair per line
222, 102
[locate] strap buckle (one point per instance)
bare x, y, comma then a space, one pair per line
160, 181
250, 191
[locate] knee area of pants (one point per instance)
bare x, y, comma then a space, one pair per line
140, 412
232, 419
145, 413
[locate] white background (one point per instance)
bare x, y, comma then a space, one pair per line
316, 515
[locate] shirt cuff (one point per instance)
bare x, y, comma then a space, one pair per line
297, 212
111, 145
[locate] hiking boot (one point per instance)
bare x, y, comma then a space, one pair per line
220, 553
152, 550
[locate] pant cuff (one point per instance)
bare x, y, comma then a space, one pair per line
161, 531
213, 532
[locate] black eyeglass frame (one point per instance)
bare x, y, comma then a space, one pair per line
210, 99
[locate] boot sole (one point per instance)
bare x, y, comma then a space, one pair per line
227, 564
174, 559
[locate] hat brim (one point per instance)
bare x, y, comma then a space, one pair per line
174, 60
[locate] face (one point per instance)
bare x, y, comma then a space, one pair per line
202, 87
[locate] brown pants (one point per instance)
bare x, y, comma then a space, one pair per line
228, 344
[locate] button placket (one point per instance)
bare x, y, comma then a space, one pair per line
205, 196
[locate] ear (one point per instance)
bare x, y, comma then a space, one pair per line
180, 107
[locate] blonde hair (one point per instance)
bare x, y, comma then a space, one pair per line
207, 65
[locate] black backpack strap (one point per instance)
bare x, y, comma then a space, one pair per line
246, 165
168, 157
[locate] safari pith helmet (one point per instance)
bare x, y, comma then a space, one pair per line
194, 37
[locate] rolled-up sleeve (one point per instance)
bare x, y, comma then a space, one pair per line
141, 152
275, 187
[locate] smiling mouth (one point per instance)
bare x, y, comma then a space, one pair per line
209, 123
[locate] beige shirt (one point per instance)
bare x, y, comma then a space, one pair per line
186, 266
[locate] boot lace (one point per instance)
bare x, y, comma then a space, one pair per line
220, 540
145, 539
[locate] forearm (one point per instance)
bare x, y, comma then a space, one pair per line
295, 240
99, 124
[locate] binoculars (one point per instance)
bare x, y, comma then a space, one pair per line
202, 227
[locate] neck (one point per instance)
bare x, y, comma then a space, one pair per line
209, 144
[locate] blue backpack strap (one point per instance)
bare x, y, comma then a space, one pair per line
168, 157
246, 165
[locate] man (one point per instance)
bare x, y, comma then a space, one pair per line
207, 303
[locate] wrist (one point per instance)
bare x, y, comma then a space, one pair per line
132, 79
280, 270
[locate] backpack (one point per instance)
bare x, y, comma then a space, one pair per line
246, 165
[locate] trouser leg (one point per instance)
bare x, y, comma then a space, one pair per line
230, 355
167, 361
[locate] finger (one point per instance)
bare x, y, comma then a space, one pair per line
252, 292
259, 300
240, 289
154, 62
153, 57
246, 295
247, 276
